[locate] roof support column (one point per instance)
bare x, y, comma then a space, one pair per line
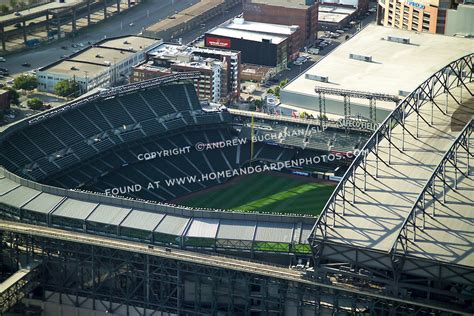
403, 125
88, 12
105, 9
23, 24
58, 26
73, 22
4, 37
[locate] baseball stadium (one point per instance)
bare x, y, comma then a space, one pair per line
142, 200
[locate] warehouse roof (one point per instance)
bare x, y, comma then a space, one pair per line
395, 67
258, 27
133, 43
247, 35
75, 209
94, 60
185, 15
336, 9
284, 3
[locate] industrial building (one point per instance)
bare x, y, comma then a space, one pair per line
378, 60
101, 65
219, 69
333, 17
433, 16
189, 19
265, 44
303, 13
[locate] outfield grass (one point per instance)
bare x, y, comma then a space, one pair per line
265, 192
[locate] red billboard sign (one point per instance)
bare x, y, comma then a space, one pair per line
218, 42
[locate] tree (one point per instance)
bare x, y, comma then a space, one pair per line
67, 88
4, 9
25, 82
13, 3
35, 104
283, 82
270, 91
277, 91
13, 96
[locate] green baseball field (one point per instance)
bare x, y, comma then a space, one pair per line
269, 192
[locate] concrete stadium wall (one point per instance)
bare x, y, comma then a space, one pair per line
156, 207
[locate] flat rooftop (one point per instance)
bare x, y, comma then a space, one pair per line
336, 9
185, 15
172, 49
395, 66
247, 35
298, 4
134, 43
101, 55
244, 25
254, 31
80, 68
93, 60
330, 17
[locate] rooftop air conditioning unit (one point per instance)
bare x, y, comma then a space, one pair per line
361, 57
399, 39
317, 78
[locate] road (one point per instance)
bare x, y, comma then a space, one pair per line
141, 16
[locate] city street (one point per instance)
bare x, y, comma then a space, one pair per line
141, 16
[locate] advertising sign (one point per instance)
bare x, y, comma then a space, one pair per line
218, 42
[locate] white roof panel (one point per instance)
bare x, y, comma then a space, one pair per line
274, 232
43, 203
6, 185
142, 220
236, 229
18, 196
75, 209
108, 214
172, 225
203, 228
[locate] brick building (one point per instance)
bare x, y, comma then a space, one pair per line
219, 69
303, 13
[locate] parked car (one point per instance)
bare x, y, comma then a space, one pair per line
2, 59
